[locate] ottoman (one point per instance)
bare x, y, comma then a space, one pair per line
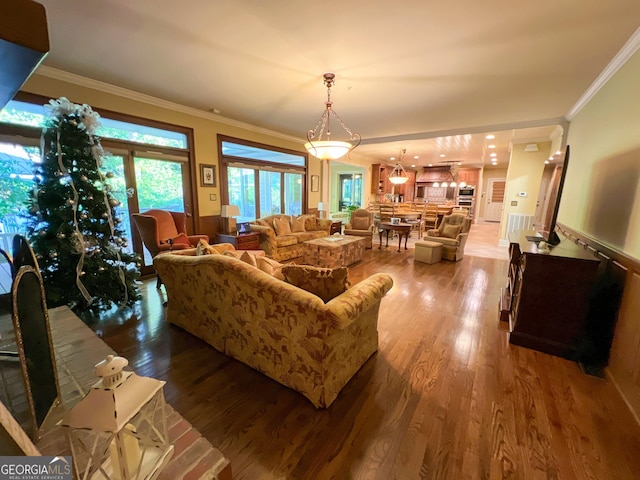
428, 252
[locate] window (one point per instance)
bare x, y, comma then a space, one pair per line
34, 115
260, 179
151, 163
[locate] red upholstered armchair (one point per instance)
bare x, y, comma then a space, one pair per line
161, 230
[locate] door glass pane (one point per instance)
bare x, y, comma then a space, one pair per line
159, 185
242, 192
293, 193
16, 180
115, 165
270, 193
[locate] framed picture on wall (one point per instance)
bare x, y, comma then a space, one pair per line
315, 183
207, 175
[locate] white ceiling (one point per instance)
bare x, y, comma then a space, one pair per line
431, 77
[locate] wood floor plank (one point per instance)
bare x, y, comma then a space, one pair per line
446, 396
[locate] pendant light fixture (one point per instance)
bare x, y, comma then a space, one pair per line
399, 175
324, 147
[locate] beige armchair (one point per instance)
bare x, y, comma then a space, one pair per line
452, 235
361, 225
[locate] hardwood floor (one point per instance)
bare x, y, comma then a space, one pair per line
445, 397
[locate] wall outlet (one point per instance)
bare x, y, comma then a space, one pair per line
213, 197
514, 203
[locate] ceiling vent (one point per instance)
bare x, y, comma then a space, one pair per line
531, 147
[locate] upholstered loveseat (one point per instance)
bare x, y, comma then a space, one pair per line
280, 244
287, 333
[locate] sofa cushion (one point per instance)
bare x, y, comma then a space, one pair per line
360, 223
310, 222
270, 266
451, 231
297, 225
262, 222
248, 258
281, 226
326, 283
203, 248
286, 240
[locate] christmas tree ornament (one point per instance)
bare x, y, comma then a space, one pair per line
60, 207
114, 203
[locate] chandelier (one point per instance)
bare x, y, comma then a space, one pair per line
399, 175
324, 147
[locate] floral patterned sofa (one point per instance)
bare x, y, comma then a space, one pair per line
288, 333
282, 244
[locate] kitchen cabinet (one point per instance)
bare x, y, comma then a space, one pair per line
379, 179
470, 176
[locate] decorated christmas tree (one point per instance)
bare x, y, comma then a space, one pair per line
73, 225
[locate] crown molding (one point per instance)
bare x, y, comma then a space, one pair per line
79, 80
625, 53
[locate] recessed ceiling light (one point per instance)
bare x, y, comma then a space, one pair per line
550, 158
392, 158
430, 165
494, 163
459, 163
413, 166
442, 155
490, 137
493, 154
416, 157
491, 146
546, 162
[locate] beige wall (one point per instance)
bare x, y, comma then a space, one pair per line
523, 175
204, 129
601, 196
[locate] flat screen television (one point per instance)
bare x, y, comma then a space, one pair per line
552, 202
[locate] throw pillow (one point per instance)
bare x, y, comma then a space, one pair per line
270, 266
259, 221
309, 222
326, 283
249, 258
181, 240
281, 226
360, 223
451, 231
297, 225
203, 248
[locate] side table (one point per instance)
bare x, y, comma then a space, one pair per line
336, 227
241, 241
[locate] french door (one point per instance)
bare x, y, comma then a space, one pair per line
143, 181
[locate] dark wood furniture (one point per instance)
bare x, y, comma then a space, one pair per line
241, 241
403, 229
546, 300
336, 227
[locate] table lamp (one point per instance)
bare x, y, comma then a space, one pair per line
229, 222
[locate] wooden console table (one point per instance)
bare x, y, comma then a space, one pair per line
403, 229
546, 299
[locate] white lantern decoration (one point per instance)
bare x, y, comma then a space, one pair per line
119, 429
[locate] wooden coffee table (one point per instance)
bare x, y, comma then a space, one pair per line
401, 228
334, 251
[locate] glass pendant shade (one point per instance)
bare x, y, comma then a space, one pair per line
327, 149
323, 147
